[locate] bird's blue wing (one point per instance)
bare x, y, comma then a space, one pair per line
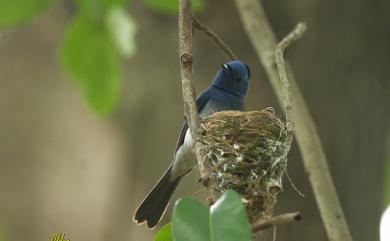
203, 98
200, 102
182, 135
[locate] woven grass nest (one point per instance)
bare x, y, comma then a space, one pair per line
247, 152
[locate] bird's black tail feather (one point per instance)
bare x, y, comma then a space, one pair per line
154, 205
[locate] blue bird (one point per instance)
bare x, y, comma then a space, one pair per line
227, 92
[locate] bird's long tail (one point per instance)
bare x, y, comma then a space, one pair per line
154, 205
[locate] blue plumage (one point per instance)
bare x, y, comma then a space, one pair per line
230, 86
227, 92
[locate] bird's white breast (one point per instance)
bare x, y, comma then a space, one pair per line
184, 158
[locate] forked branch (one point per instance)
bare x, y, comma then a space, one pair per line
296, 34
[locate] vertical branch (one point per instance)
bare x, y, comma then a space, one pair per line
297, 33
189, 96
263, 40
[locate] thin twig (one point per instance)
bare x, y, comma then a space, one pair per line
274, 234
296, 34
188, 88
215, 38
263, 40
277, 220
293, 185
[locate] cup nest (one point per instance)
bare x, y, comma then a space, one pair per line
247, 152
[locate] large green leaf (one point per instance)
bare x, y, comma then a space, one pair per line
172, 6
190, 221
92, 61
229, 221
165, 233
14, 12
122, 29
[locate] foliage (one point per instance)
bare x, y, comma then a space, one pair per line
90, 57
165, 233
101, 32
91, 49
122, 29
14, 12
226, 220
190, 221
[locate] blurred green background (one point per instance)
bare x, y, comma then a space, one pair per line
65, 167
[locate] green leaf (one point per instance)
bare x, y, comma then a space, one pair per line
165, 233
122, 29
13, 12
102, 76
190, 221
172, 6
229, 221
78, 38
91, 60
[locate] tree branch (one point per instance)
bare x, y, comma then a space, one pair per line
277, 220
215, 38
188, 88
296, 34
263, 40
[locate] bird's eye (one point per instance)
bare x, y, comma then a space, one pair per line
226, 68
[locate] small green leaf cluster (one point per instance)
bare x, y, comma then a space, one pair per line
99, 33
225, 220
98, 36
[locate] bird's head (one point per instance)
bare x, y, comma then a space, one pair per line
233, 77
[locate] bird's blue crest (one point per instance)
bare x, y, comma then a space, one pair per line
233, 77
